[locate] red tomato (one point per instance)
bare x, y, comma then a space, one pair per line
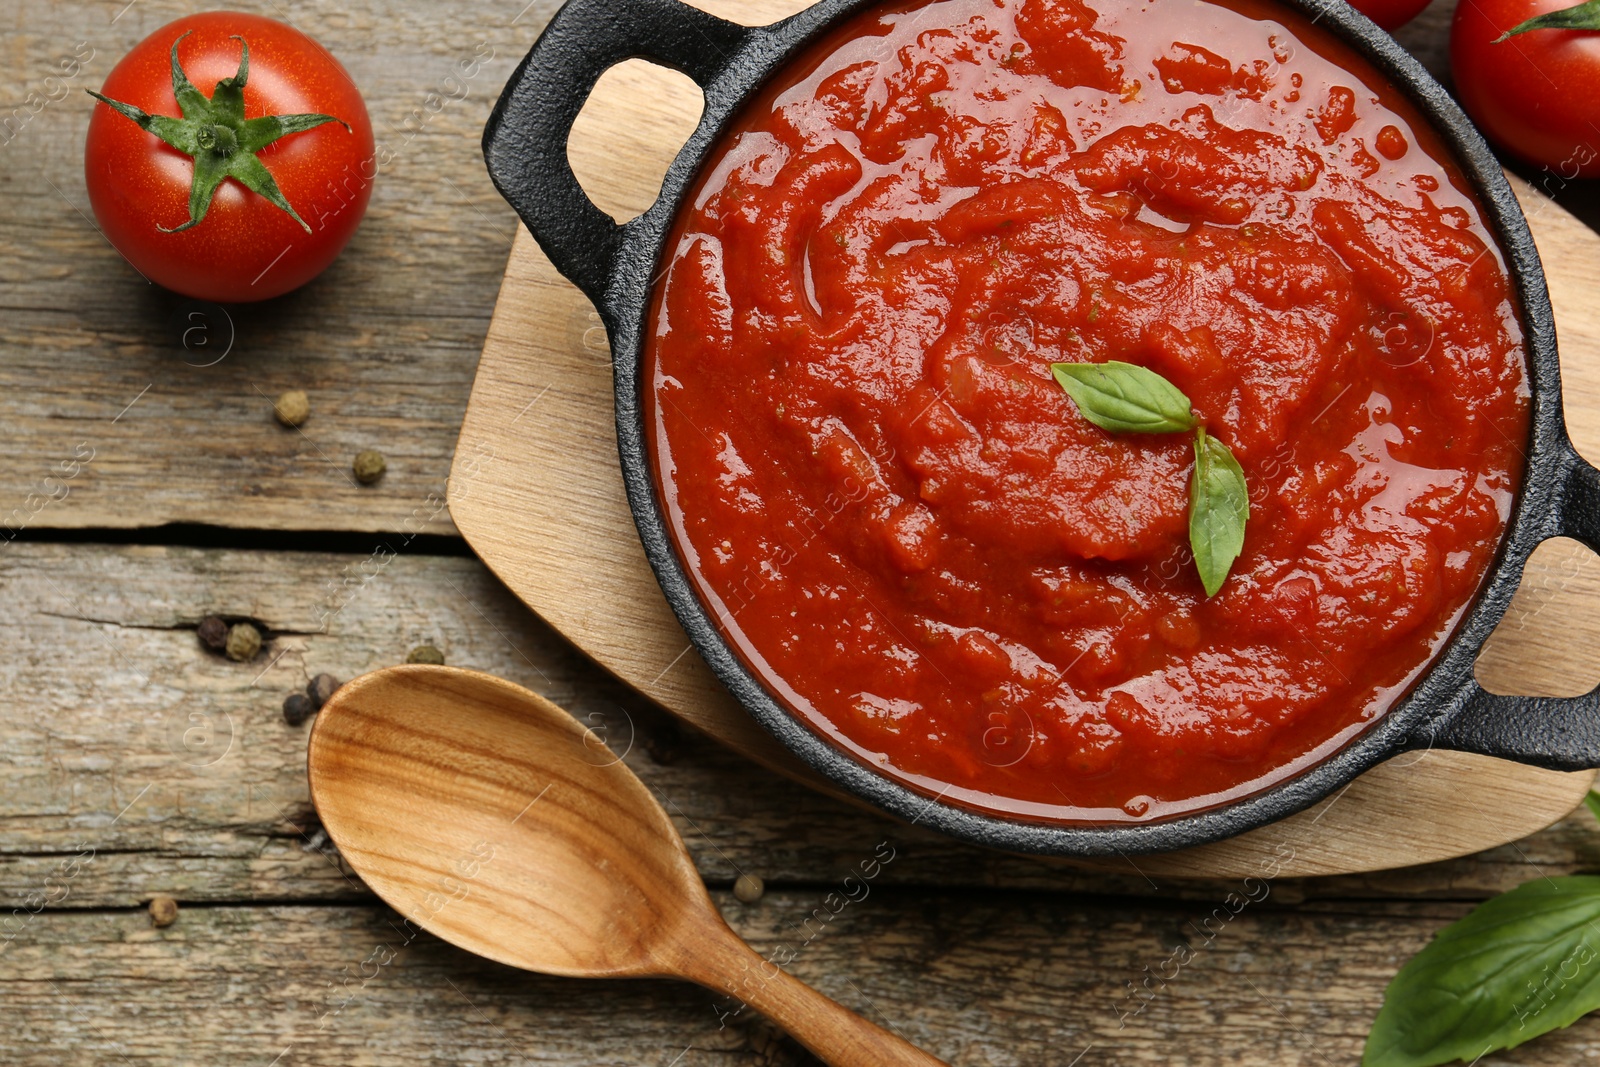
245, 247
1390, 14
1537, 95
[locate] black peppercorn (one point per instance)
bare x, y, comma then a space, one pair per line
213, 633
297, 708
320, 688
664, 743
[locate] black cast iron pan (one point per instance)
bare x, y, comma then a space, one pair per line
525, 145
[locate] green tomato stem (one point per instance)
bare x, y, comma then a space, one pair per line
1585, 16
216, 135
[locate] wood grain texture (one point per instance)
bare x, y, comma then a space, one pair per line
173, 767
493, 819
983, 980
537, 494
384, 343
987, 959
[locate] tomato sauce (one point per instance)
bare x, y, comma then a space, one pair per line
908, 530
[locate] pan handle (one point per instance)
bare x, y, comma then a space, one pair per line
1560, 733
525, 141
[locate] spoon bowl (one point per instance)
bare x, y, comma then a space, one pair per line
494, 820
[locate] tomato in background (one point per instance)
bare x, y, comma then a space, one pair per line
1535, 94
1390, 14
246, 247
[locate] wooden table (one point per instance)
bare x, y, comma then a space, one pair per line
133, 763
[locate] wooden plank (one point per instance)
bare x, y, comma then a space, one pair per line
537, 493
385, 343
994, 979
121, 736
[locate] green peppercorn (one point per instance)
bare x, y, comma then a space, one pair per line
292, 408
425, 654
213, 633
297, 709
244, 641
369, 466
320, 688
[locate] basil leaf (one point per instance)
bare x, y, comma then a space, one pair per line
1517, 966
1219, 507
1124, 397
1585, 16
1592, 802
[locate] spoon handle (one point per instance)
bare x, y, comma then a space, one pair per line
833, 1033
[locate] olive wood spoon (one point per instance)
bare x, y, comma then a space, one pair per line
493, 819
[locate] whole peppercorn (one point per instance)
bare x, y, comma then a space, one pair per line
748, 888
244, 641
292, 408
369, 466
320, 688
163, 911
213, 633
297, 709
664, 743
425, 654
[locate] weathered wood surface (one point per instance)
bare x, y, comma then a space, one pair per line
385, 343
1014, 979
555, 856
123, 736
988, 959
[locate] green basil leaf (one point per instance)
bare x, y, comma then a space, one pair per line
1124, 397
1585, 16
1517, 966
1592, 802
1219, 507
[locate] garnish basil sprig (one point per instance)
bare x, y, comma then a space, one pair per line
1126, 398
1517, 966
1219, 507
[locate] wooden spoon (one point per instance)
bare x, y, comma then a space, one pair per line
493, 819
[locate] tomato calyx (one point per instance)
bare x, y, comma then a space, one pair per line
217, 136
1585, 16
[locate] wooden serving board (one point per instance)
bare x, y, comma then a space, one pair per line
536, 490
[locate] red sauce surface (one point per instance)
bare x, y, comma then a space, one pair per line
906, 527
